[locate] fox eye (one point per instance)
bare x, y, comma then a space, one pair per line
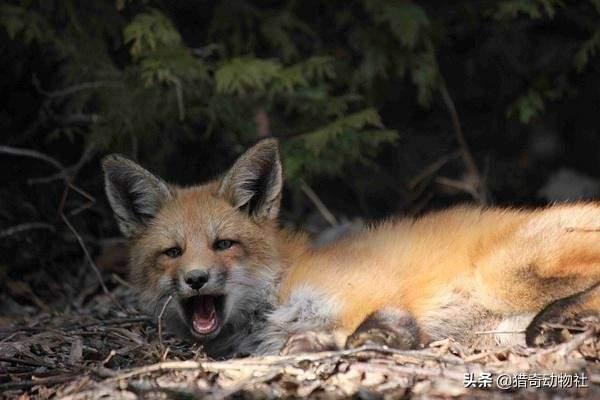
223, 244
173, 252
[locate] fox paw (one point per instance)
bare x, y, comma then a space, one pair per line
403, 340
310, 342
391, 328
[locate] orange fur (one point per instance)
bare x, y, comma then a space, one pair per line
452, 271
509, 261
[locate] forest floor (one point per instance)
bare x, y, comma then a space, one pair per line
104, 348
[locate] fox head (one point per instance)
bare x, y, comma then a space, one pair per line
206, 249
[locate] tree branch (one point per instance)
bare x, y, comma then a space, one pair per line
15, 151
75, 88
481, 193
25, 227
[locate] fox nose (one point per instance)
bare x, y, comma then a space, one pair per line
196, 278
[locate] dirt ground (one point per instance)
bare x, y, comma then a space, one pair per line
100, 346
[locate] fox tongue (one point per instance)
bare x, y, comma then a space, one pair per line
203, 317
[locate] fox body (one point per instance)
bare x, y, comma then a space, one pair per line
233, 280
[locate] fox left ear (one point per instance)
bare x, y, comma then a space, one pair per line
134, 194
255, 181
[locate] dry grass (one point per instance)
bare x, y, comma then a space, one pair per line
99, 351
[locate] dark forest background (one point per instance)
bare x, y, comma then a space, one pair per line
381, 107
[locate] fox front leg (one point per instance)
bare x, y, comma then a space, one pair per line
313, 342
390, 327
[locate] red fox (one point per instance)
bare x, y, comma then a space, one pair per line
241, 285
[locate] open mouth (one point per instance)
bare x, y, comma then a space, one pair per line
204, 313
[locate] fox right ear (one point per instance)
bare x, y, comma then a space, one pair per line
255, 181
134, 194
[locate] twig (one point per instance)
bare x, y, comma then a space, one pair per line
9, 336
25, 227
459, 185
274, 361
64, 173
268, 367
77, 119
68, 172
481, 193
91, 199
67, 175
90, 260
479, 356
110, 322
165, 353
159, 320
122, 281
565, 348
329, 217
499, 332
171, 391
419, 205
108, 357
52, 380
432, 168
73, 327
163, 366
584, 230
75, 88
32, 363
248, 382
179, 96
15, 151
420, 371
367, 348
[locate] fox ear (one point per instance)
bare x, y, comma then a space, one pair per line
135, 195
255, 181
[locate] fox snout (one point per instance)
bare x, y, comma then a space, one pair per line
205, 281
196, 278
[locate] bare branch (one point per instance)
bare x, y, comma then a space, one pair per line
25, 227
75, 88
432, 169
179, 96
471, 165
77, 118
159, 319
459, 185
69, 173
15, 151
329, 217
64, 173
90, 260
